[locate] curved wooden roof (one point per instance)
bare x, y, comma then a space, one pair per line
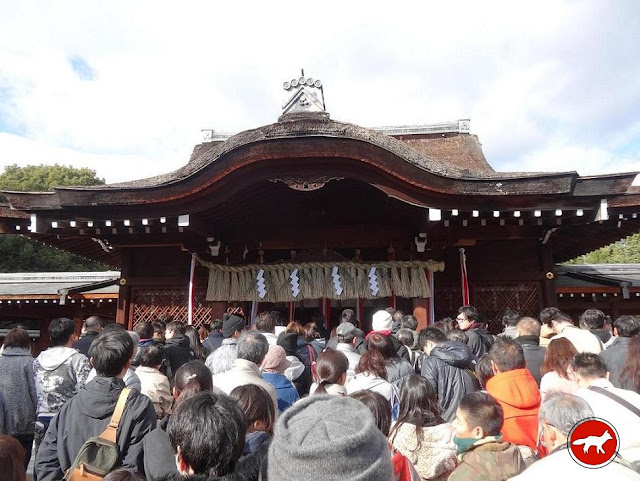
449, 171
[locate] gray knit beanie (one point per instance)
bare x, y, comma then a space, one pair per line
328, 438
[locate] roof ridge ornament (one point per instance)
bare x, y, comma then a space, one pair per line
303, 95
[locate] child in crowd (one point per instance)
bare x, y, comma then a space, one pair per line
482, 454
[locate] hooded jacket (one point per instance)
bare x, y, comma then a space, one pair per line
518, 394
178, 351
87, 415
16, 378
60, 372
489, 459
448, 368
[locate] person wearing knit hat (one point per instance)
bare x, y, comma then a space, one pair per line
273, 367
382, 323
232, 325
222, 359
328, 438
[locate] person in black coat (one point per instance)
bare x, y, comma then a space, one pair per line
448, 366
528, 330
214, 341
88, 413
93, 326
177, 348
480, 341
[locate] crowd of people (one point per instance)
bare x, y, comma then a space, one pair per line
285, 401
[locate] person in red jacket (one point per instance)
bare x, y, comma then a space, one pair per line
516, 390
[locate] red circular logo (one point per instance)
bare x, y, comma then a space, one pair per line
593, 443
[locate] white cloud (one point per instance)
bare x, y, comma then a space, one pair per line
545, 83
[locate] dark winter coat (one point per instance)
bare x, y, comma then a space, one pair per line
178, 351
295, 345
84, 343
615, 357
400, 349
87, 415
213, 342
480, 341
448, 369
397, 370
159, 456
534, 355
17, 382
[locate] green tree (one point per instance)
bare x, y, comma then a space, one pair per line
43, 178
22, 254
625, 251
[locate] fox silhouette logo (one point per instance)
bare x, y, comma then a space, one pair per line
597, 441
593, 433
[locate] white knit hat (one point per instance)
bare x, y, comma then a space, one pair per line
381, 321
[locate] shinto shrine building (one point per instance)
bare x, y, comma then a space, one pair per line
310, 212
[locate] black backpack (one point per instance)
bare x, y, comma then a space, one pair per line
100, 455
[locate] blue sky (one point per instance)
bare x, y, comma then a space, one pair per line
125, 87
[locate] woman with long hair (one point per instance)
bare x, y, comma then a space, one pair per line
371, 373
159, 458
420, 433
331, 370
194, 343
314, 338
396, 367
557, 375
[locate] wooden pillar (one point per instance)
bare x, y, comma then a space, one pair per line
360, 310
326, 311
123, 314
549, 297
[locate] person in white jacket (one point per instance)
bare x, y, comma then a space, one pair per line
371, 374
608, 402
558, 414
154, 384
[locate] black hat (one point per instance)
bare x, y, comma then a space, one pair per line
231, 324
